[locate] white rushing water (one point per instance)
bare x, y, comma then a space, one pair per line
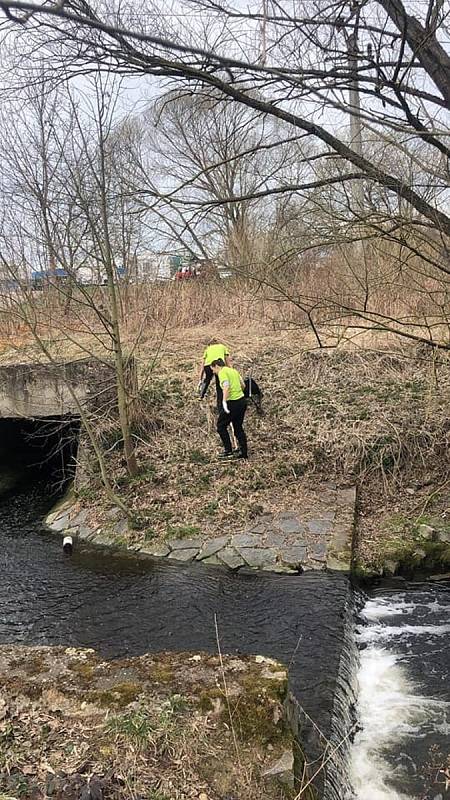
394, 710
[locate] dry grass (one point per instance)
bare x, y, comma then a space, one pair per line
367, 407
154, 727
378, 418
334, 294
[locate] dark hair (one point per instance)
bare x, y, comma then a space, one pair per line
218, 362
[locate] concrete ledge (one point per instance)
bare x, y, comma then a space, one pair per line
316, 538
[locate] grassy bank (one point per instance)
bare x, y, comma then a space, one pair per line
366, 408
374, 417
166, 727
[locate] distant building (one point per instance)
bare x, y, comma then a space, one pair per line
152, 267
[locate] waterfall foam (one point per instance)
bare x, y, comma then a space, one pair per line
398, 722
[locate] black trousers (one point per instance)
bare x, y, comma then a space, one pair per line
208, 375
236, 418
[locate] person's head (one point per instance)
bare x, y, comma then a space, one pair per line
217, 365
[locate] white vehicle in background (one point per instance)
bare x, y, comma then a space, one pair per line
90, 276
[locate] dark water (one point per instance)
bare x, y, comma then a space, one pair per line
122, 607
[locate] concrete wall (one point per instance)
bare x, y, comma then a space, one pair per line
42, 390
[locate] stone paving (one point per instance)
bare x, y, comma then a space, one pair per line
315, 537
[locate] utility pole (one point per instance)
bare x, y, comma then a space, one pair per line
263, 52
355, 104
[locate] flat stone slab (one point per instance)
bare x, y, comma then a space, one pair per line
158, 550
212, 547
330, 515
184, 544
60, 523
314, 536
319, 526
184, 555
213, 560
294, 556
259, 527
283, 569
258, 557
246, 540
121, 526
81, 517
231, 558
290, 525
318, 552
287, 515
277, 540
346, 497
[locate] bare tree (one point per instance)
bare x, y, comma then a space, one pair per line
200, 150
369, 82
82, 219
400, 68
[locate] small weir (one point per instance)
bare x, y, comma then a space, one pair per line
387, 677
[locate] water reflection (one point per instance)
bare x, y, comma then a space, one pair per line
121, 606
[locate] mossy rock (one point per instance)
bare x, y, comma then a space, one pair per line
84, 670
207, 697
254, 713
118, 696
161, 673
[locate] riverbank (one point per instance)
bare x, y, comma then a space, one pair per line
377, 419
170, 726
371, 413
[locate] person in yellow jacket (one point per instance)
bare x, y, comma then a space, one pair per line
214, 350
233, 410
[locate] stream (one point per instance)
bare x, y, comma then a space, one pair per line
124, 606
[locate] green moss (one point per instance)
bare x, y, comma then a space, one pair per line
363, 572
81, 668
207, 696
272, 688
408, 549
252, 718
412, 555
182, 531
161, 673
118, 696
253, 713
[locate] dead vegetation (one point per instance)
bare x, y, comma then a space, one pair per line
155, 727
372, 417
365, 408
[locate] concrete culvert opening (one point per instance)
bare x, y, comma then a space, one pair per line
43, 449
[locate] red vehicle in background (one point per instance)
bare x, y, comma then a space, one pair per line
185, 273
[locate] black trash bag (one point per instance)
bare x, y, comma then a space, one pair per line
254, 394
